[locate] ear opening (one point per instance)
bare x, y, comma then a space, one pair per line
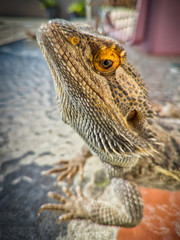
134, 119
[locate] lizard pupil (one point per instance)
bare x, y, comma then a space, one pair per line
107, 63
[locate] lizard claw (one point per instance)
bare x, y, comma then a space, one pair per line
65, 217
71, 168
69, 204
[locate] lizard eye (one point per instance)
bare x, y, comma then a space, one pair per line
106, 61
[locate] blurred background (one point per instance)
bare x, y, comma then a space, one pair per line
149, 23
32, 135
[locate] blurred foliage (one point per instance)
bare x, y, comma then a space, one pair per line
48, 4
77, 7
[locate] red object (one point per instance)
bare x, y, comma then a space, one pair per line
158, 26
161, 220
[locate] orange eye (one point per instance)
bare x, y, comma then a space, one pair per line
106, 60
74, 40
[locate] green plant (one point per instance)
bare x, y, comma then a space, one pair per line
77, 7
48, 3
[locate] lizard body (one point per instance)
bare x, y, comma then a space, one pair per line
101, 96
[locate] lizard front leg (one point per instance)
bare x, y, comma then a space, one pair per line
127, 212
69, 168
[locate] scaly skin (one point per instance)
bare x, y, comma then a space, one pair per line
105, 100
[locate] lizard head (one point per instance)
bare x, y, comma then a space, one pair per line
100, 93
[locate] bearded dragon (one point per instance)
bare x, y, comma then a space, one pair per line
105, 100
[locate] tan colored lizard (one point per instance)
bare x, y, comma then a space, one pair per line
105, 100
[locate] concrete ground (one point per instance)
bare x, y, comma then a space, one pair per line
32, 134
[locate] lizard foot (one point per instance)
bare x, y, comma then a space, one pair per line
72, 167
68, 170
126, 212
69, 204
